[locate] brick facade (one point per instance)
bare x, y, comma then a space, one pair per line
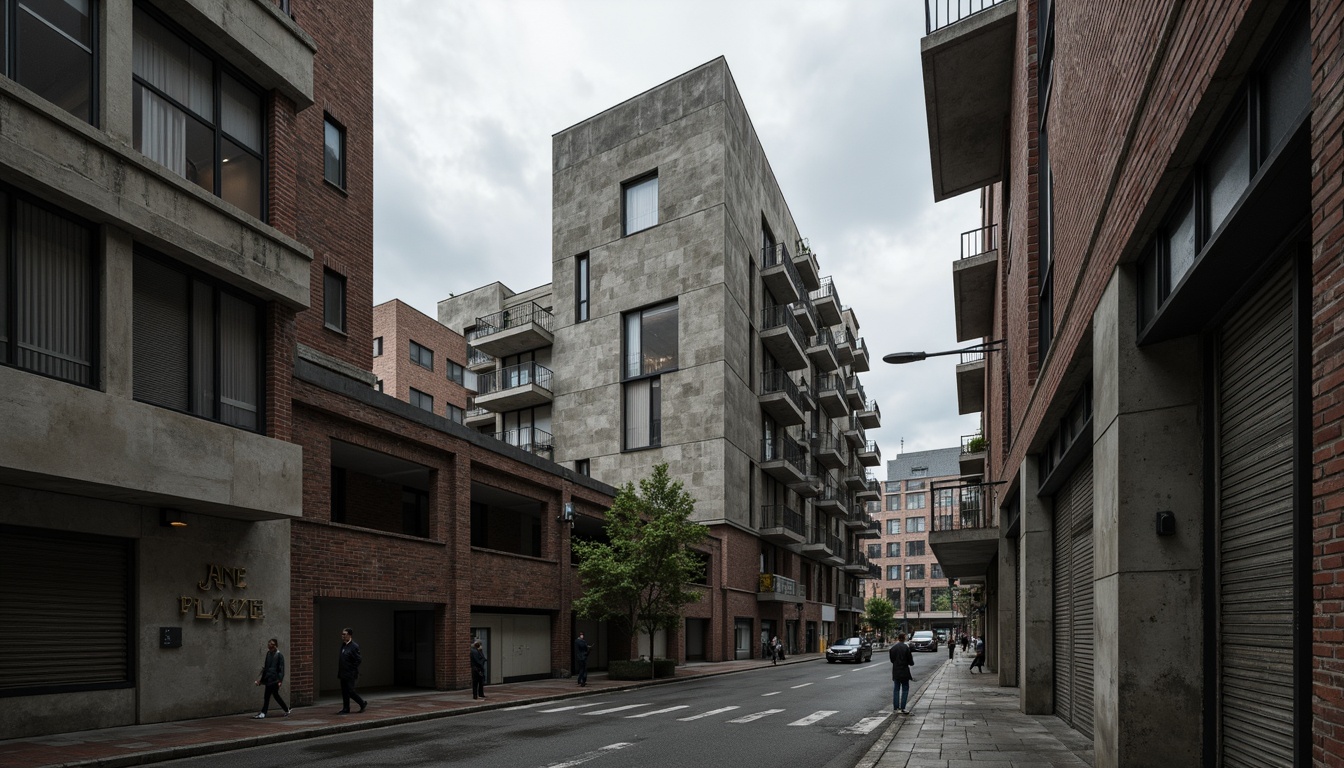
397, 324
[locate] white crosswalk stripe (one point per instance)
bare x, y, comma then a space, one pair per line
614, 709
756, 716
866, 725
710, 713
815, 716
772, 693
658, 711
586, 756
804, 685
832, 677
575, 706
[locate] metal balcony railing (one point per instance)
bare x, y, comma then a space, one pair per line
520, 375
871, 405
781, 315
773, 583
477, 357
972, 443
854, 385
781, 516
860, 347
784, 449
968, 510
474, 412
778, 255
977, 356
977, 241
826, 291
513, 317
530, 439
780, 381
824, 338
943, 13
828, 382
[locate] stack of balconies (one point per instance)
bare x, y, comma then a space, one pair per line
513, 331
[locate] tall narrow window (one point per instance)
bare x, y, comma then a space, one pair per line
650, 349
52, 44
195, 118
333, 300
581, 288
640, 208
333, 152
1045, 181
378, 346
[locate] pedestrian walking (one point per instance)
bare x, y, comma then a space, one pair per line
347, 670
581, 658
979, 660
951, 649
965, 642
902, 659
272, 675
478, 670
776, 649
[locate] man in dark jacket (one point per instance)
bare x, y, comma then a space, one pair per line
272, 675
581, 659
347, 670
902, 659
477, 670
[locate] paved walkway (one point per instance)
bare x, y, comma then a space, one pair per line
958, 720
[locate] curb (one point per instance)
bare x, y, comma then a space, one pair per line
879, 748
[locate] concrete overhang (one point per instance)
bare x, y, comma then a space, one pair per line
968, 69
523, 337
966, 552
972, 463
973, 295
783, 343
528, 395
783, 408
971, 387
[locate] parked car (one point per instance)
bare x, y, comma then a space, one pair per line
924, 640
942, 635
855, 649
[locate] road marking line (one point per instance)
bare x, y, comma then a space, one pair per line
524, 706
658, 711
815, 716
575, 706
866, 725
615, 709
718, 711
832, 677
756, 716
772, 693
804, 685
586, 756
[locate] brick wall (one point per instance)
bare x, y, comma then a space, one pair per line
397, 323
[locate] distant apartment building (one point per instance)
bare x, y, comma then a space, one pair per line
687, 322
421, 361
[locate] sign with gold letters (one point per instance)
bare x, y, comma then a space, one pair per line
220, 605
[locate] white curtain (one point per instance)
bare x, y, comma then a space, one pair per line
641, 205
237, 362
54, 295
166, 62
637, 416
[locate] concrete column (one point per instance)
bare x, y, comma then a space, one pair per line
118, 298
1147, 457
116, 44
1036, 557
1006, 610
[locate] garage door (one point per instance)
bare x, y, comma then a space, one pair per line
1074, 629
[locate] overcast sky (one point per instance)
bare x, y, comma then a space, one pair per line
469, 93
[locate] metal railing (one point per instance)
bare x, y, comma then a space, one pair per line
781, 315
977, 241
530, 439
824, 338
828, 382
773, 583
972, 443
779, 381
778, 256
827, 290
520, 375
944, 13
871, 406
781, 516
784, 449
477, 357
513, 317
871, 447
474, 412
977, 356
968, 512
853, 384
860, 347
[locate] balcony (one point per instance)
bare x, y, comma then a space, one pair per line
821, 350
857, 520
784, 460
811, 483
965, 539
854, 392
973, 454
832, 500
782, 525
781, 399
479, 417
830, 389
870, 416
478, 361
806, 263
827, 302
870, 455
850, 603
861, 360
854, 434
967, 57
973, 277
855, 477
806, 317
782, 337
971, 383
873, 531
857, 563
829, 450
871, 490
779, 589
817, 546
780, 275
515, 330
838, 553
530, 439
526, 385
844, 346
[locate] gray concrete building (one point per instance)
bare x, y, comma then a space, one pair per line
688, 322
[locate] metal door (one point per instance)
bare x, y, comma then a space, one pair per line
1073, 621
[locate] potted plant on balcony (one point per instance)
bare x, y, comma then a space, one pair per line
976, 444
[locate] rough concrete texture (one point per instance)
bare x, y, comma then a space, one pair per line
1036, 556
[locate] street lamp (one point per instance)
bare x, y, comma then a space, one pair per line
898, 358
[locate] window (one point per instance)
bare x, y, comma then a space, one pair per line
914, 524
893, 526
333, 152
49, 290
1045, 179
893, 549
914, 599
893, 573
338, 494
874, 551
456, 414
421, 400
456, 373
378, 346
914, 501
581, 288
894, 503
914, 572
943, 498
914, 549
892, 486
422, 356
333, 300
917, 472
378, 384
650, 350
194, 117
894, 595
936, 571
196, 344
940, 598
414, 512
640, 209
52, 48
583, 467
915, 485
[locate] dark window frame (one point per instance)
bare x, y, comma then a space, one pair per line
653, 377
417, 399
582, 288
342, 180
377, 346
12, 45
626, 188
417, 357
331, 277
457, 373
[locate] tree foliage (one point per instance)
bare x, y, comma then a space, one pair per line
640, 576
880, 614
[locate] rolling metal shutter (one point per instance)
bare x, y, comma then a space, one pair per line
1255, 530
64, 610
1074, 630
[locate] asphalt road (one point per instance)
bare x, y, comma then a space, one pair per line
814, 714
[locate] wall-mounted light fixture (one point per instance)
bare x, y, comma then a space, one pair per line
567, 516
172, 518
897, 358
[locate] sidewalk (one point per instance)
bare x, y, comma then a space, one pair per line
143, 744
961, 719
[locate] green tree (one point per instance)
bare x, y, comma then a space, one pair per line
880, 615
942, 599
639, 578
